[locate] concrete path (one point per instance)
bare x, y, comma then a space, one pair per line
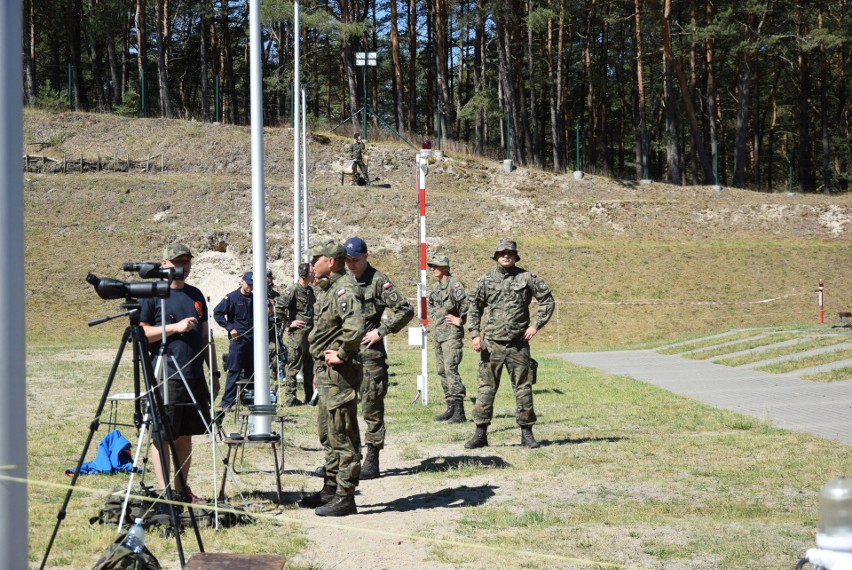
784, 400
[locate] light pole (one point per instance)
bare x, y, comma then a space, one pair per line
365, 59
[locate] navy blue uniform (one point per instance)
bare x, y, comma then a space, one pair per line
234, 313
188, 350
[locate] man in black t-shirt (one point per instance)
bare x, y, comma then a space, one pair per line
186, 319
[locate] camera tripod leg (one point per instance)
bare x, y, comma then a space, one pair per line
93, 427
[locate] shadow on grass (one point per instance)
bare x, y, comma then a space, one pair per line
447, 498
442, 464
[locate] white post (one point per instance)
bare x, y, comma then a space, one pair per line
258, 218
423, 380
13, 419
306, 231
297, 209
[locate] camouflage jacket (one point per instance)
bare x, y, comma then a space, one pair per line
296, 304
356, 151
503, 297
447, 298
338, 318
380, 294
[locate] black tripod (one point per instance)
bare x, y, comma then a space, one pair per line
135, 335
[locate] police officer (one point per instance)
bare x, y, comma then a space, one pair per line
448, 306
334, 345
505, 293
356, 153
295, 310
234, 314
379, 294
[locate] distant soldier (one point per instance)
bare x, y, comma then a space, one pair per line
335, 345
379, 294
356, 153
276, 345
234, 314
295, 310
505, 293
448, 307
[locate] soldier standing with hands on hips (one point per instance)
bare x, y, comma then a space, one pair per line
505, 293
379, 294
448, 307
295, 309
335, 343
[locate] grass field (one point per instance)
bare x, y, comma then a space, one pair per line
629, 476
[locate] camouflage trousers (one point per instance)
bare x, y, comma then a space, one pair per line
298, 359
337, 425
448, 355
373, 391
515, 357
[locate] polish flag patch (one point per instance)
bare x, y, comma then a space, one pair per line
387, 285
341, 293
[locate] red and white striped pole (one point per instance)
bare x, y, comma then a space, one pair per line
423, 315
821, 304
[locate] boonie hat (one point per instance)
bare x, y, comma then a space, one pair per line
355, 246
175, 250
506, 244
328, 249
438, 260
248, 277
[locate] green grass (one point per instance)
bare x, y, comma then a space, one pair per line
782, 351
836, 375
703, 342
630, 474
807, 362
769, 339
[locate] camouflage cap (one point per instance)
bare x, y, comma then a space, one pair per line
175, 250
438, 260
330, 248
506, 244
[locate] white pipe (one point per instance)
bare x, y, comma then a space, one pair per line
13, 418
297, 210
305, 218
262, 424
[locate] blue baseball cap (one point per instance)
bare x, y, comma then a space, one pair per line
355, 246
249, 278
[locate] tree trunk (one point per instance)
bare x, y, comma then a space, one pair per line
75, 47
227, 73
697, 140
479, 46
398, 87
823, 110
29, 53
142, 47
741, 133
712, 109
642, 151
448, 113
202, 67
674, 170
554, 60
805, 167
412, 65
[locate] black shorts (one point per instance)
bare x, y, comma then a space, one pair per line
181, 414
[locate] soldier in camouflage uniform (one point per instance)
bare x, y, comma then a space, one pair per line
295, 310
356, 153
447, 316
335, 343
505, 294
379, 294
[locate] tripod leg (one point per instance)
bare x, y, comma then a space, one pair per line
93, 427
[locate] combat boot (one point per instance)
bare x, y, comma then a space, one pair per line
320, 498
448, 413
527, 438
339, 506
479, 439
458, 416
370, 467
